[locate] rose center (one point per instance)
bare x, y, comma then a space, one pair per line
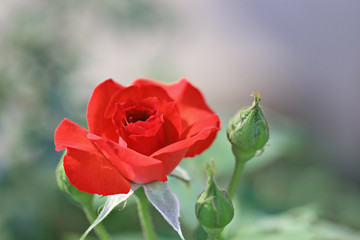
135, 115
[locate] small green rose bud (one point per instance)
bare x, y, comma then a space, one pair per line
66, 186
213, 209
248, 130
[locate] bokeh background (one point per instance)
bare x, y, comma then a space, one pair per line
302, 56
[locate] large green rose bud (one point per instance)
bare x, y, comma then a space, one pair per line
248, 130
213, 209
65, 186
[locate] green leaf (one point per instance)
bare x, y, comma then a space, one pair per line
181, 174
111, 202
166, 202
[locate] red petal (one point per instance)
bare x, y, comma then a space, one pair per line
168, 133
190, 101
148, 143
87, 168
172, 121
70, 134
162, 128
171, 155
93, 173
97, 106
135, 94
202, 144
210, 121
139, 168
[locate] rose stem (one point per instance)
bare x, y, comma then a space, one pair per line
144, 215
215, 236
239, 167
91, 216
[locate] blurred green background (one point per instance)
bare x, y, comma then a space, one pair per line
302, 56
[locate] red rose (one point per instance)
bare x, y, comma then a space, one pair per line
136, 134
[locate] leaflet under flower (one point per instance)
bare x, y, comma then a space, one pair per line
166, 202
111, 202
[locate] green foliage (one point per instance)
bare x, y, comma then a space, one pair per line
298, 224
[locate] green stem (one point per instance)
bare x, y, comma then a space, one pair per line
91, 216
213, 233
213, 237
144, 215
239, 167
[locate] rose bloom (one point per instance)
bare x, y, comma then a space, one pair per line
136, 134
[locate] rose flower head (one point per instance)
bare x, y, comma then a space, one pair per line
138, 134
